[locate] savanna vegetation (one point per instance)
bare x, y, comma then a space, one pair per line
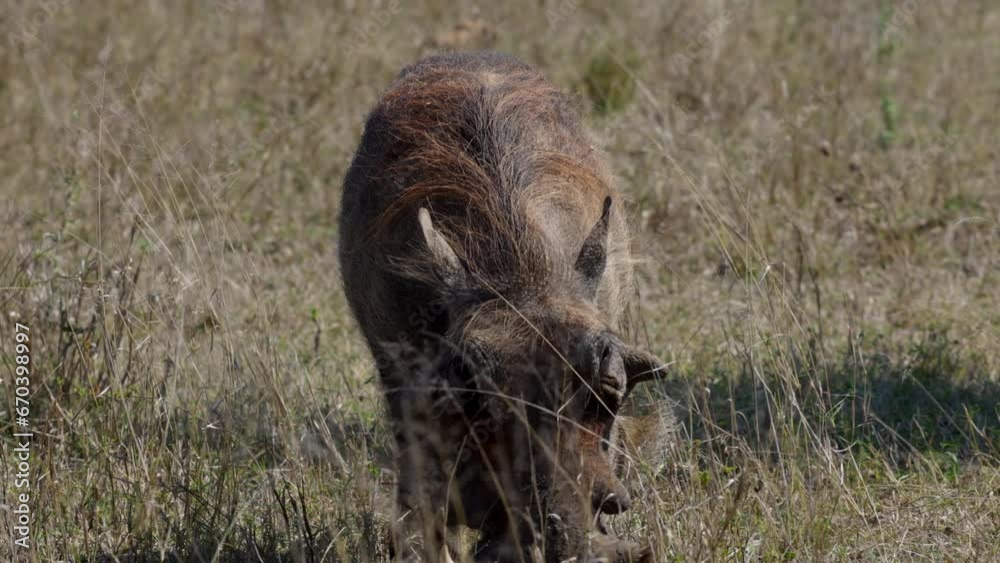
815, 200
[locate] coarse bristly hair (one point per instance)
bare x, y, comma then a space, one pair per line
479, 227
491, 148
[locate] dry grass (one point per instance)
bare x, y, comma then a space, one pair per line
818, 203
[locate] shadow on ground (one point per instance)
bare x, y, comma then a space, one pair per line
926, 399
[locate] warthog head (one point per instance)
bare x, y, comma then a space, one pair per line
546, 378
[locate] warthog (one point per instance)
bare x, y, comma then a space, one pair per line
485, 255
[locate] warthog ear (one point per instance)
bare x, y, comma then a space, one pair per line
446, 262
640, 366
594, 254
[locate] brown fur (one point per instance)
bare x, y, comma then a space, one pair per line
492, 327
